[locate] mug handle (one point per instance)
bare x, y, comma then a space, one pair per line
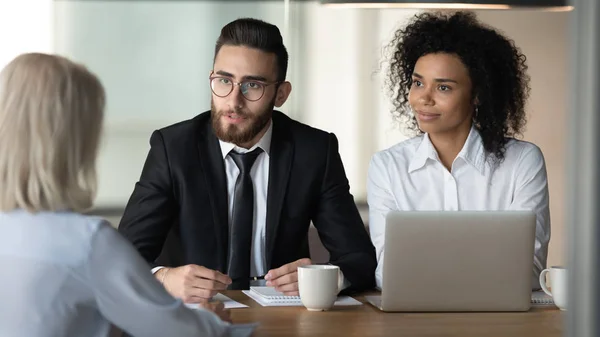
543, 282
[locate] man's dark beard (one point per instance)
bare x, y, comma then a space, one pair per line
232, 134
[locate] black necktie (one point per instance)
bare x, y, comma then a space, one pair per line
240, 239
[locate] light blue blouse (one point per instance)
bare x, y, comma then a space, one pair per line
65, 274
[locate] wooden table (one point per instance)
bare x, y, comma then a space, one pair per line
365, 320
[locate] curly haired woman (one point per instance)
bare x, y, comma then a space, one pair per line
462, 87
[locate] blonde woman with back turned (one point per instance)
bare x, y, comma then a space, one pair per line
63, 273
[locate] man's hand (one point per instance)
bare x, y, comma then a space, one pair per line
192, 283
285, 278
218, 308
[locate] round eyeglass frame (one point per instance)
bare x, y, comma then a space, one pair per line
239, 84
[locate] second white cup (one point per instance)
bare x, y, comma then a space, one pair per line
558, 285
318, 286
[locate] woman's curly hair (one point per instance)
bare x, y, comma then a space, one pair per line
497, 69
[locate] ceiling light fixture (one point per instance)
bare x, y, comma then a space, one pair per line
546, 5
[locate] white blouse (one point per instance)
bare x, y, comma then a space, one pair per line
65, 274
409, 176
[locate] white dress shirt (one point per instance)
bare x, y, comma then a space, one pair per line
65, 274
409, 176
260, 181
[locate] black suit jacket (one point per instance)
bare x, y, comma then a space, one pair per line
178, 212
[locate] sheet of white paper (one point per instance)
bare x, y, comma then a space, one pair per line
227, 302
341, 301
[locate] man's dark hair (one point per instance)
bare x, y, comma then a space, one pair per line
497, 68
257, 34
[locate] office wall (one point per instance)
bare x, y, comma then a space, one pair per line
543, 38
23, 30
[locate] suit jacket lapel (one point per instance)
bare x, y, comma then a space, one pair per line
213, 167
280, 163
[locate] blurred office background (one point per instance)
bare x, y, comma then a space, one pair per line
154, 58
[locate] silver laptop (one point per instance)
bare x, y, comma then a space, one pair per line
457, 261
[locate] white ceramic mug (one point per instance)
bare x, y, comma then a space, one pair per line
558, 284
318, 286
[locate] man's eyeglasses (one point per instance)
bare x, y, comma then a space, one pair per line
252, 90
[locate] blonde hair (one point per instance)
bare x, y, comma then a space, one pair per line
51, 112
